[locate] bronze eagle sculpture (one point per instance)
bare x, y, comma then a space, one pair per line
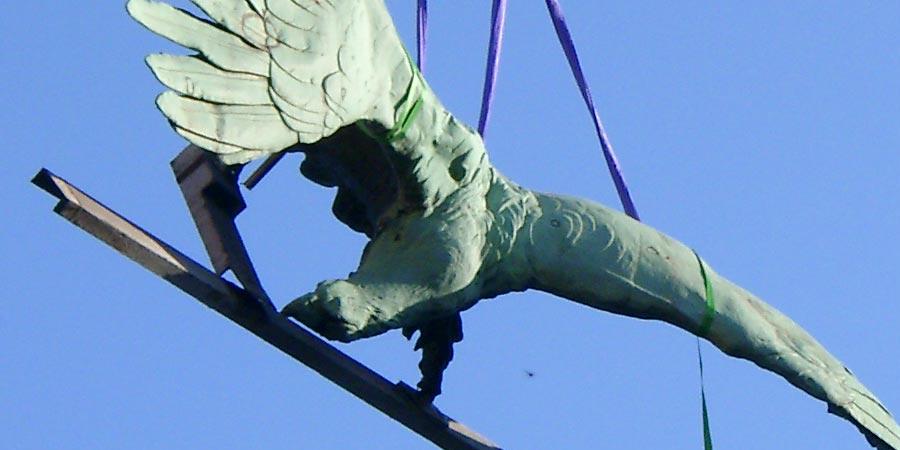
332, 79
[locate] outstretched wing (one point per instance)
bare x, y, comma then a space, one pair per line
271, 74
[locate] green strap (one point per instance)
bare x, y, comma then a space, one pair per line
705, 324
710, 312
707, 436
403, 119
399, 131
402, 123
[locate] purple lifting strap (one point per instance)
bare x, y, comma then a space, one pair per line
421, 31
565, 38
498, 21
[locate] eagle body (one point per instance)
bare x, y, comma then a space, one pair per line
331, 79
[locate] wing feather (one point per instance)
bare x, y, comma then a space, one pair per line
864, 410
257, 5
238, 17
228, 153
252, 127
194, 77
287, 15
221, 47
275, 73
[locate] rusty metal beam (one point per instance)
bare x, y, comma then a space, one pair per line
261, 319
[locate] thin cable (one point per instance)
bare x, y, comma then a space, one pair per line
565, 38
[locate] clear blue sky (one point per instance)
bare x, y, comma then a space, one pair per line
764, 134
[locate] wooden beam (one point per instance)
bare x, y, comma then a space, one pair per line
263, 320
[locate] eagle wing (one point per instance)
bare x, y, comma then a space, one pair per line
271, 74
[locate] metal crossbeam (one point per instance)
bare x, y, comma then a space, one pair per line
259, 318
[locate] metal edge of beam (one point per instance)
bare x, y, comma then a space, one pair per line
263, 170
265, 322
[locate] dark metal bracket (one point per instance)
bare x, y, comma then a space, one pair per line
214, 199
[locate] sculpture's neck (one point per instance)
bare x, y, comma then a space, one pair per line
506, 266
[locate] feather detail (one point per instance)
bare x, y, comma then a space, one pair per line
250, 127
222, 48
192, 77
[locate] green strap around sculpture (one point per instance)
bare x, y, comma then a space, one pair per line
705, 325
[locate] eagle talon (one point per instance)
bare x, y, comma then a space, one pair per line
301, 309
333, 310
